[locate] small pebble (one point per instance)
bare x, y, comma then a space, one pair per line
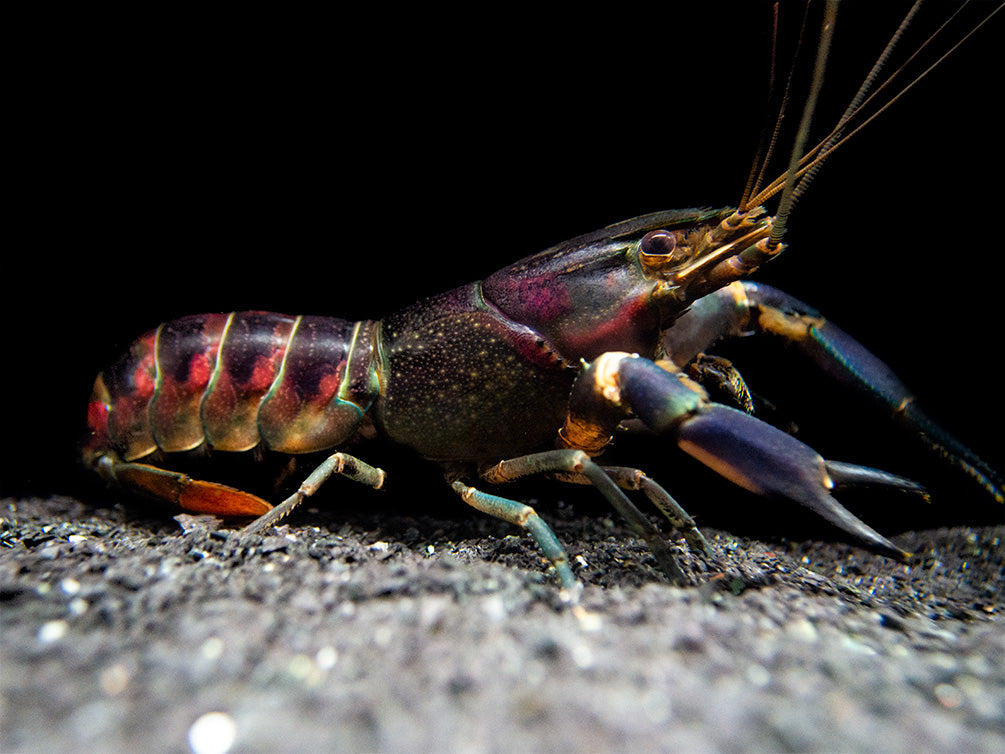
213, 733
52, 631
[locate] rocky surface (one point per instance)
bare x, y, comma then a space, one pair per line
397, 633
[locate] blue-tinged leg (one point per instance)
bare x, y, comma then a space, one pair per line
336, 464
579, 463
745, 308
634, 479
526, 517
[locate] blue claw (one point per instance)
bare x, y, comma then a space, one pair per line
745, 450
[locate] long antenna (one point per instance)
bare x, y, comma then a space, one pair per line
766, 144
788, 200
811, 161
856, 102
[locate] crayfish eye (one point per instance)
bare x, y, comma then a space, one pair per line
659, 247
658, 242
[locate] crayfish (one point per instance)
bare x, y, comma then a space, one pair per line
534, 370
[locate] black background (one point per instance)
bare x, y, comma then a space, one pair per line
344, 165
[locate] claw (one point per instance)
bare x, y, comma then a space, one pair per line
745, 450
852, 475
765, 460
849, 362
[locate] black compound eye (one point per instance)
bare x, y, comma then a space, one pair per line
658, 242
659, 247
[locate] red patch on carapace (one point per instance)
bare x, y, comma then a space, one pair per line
145, 377
263, 373
97, 417
200, 369
327, 387
623, 331
546, 297
97, 423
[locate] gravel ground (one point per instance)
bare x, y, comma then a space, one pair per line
388, 632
